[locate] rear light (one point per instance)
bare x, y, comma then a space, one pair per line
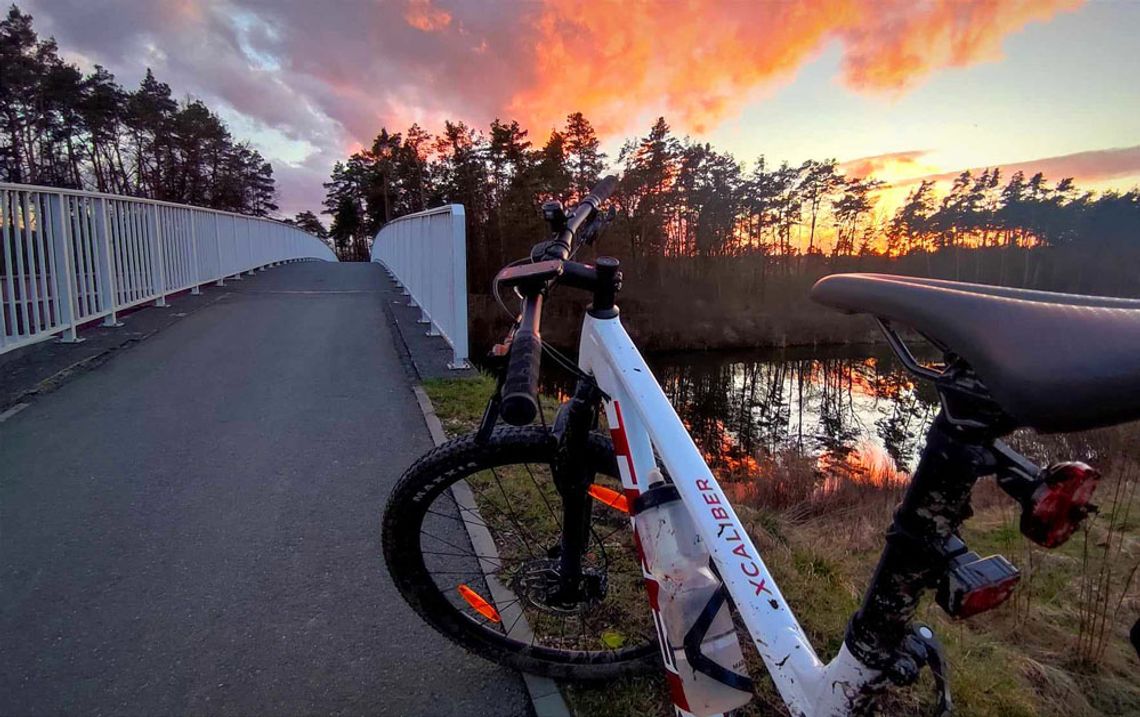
974, 585
1056, 507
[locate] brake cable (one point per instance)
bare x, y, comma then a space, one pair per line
588, 235
499, 295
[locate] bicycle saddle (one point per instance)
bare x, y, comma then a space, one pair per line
1053, 362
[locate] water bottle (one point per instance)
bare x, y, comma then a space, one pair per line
693, 604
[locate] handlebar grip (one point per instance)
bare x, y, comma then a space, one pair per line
520, 385
520, 388
603, 189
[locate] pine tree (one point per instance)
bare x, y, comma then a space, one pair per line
61, 128
309, 222
584, 156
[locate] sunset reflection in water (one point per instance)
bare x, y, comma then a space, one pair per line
786, 426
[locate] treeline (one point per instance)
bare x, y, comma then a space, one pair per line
680, 198
499, 178
60, 127
722, 254
979, 211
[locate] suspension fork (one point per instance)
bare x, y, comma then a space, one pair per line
573, 475
936, 503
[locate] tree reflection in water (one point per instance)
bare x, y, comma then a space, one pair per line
784, 427
792, 425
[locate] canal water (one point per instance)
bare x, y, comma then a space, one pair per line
826, 415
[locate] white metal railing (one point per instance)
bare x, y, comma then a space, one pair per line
426, 253
70, 257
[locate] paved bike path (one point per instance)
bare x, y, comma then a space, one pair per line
193, 527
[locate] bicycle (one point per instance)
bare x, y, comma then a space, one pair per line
466, 554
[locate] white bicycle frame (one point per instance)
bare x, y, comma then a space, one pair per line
641, 420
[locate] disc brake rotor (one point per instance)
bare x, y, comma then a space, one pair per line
539, 584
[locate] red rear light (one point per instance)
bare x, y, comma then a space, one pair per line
1056, 508
973, 585
987, 598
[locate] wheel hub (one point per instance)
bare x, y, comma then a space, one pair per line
539, 584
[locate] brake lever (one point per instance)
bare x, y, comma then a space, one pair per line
594, 229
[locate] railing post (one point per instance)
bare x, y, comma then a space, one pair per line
236, 276
458, 287
413, 260
105, 264
196, 288
427, 278
8, 321
218, 244
250, 270
65, 286
403, 264
264, 241
159, 256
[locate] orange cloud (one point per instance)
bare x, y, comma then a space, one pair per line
901, 41
421, 15
1091, 166
892, 163
1100, 169
348, 68
698, 62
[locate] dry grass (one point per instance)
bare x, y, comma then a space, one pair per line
1059, 647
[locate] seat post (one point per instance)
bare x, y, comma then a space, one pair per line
935, 505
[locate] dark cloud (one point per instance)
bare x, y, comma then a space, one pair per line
328, 74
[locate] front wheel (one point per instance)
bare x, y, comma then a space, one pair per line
471, 537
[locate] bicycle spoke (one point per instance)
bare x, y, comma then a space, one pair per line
458, 555
511, 514
460, 519
453, 545
519, 535
554, 514
516, 622
478, 573
515, 507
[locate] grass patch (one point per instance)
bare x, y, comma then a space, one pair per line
459, 402
1058, 648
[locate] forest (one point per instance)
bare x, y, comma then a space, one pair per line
60, 127
719, 253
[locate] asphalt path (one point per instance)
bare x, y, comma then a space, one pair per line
193, 526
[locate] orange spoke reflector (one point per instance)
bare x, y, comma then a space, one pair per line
480, 605
610, 497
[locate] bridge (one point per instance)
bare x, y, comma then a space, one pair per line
201, 416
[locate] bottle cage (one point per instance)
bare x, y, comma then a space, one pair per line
696, 635
667, 493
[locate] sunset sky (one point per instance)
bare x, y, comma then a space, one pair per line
903, 88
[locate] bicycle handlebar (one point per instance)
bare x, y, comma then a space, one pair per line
520, 385
560, 247
601, 191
